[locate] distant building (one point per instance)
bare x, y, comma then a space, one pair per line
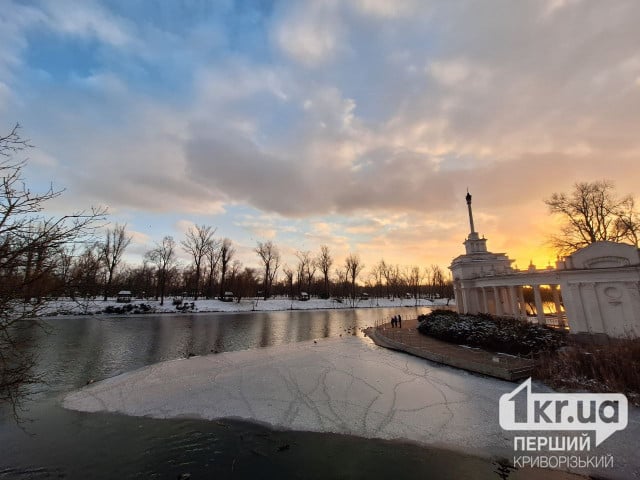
124, 296
595, 290
227, 297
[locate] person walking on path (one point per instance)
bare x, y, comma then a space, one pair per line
399, 321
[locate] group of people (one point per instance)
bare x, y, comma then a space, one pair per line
396, 321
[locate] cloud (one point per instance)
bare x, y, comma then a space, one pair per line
253, 129
310, 33
459, 74
554, 6
381, 179
5, 96
15, 19
87, 19
325, 110
261, 228
101, 83
385, 9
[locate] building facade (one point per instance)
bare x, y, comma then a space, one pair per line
595, 290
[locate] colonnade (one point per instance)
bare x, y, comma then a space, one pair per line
506, 300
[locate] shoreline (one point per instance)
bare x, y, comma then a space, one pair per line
239, 308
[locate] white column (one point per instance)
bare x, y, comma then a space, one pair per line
539, 306
473, 300
574, 309
496, 295
506, 305
485, 304
634, 307
477, 297
514, 302
465, 300
591, 303
457, 291
521, 303
556, 299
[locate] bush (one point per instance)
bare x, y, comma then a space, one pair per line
596, 368
491, 333
128, 308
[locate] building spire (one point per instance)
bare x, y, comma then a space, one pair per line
468, 197
473, 243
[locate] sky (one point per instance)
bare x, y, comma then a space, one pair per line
357, 124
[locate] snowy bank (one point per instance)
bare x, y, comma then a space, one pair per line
98, 306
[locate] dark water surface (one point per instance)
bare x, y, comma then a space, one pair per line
58, 443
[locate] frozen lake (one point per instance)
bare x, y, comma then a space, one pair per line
339, 384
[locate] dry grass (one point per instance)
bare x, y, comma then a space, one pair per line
612, 367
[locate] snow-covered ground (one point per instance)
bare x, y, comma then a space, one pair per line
97, 306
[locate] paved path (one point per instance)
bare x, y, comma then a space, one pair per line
408, 339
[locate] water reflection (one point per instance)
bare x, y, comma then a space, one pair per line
78, 350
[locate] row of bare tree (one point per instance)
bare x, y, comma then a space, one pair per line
42, 257
213, 270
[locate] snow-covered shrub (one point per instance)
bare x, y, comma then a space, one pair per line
491, 333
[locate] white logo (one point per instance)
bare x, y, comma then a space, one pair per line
602, 413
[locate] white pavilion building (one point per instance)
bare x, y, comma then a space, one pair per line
595, 290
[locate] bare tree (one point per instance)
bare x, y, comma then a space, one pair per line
30, 247
414, 276
391, 275
84, 273
342, 282
305, 270
592, 212
629, 220
437, 281
226, 255
234, 272
324, 260
243, 280
65, 264
288, 275
310, 273
380, 273
198, 243
353, 267
213, 258
163, 255
115, 243
270, 257
141, 278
